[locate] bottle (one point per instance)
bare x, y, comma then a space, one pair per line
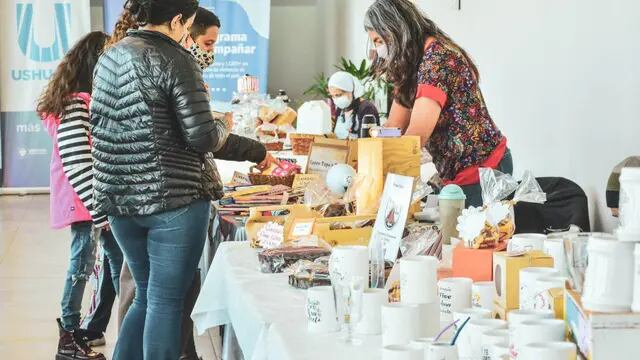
451, 203
368, 122
282, 95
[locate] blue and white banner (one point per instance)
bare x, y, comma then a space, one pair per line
34, 36
242, 48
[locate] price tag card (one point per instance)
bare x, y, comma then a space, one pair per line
240, 178
271, 235
302, 227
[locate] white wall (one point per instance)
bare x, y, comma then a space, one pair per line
561, 80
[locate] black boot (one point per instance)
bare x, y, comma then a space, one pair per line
70, 348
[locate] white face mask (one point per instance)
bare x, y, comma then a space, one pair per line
342, 102
382, 51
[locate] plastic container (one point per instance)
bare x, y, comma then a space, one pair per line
636, 282
629, 229
451, 202
608, 283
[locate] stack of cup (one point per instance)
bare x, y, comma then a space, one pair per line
635, 306
608, 283
455, 295
442, 351
399, 323
465, 334
372, 302
490, 338
402, 352
528, 278
533, 331
559, 350
418, 277
517, 317
476, 328
543, 300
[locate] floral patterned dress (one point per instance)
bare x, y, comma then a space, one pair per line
465, 137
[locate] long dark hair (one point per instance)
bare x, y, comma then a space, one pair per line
73, 74
404, 28
203, 21
158, 12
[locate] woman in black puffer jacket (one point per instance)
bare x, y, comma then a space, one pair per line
151, 126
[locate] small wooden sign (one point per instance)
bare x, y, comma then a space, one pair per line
323, 157
302, 180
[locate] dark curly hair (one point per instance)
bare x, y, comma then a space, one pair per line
404, 28
158, 12
125, 22
73, 74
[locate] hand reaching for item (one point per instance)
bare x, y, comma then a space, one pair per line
267, 162
228, 119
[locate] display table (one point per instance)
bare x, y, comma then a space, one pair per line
267, 315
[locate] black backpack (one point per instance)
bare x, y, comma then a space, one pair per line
566, 205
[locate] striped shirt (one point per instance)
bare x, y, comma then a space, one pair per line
75, 151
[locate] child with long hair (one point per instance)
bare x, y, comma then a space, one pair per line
64, 108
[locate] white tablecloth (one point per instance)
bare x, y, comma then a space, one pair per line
266, 313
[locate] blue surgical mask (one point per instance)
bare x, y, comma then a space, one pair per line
342, 102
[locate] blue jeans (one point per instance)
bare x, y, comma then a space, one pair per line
162, 251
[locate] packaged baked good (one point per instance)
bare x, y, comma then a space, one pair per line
277, 260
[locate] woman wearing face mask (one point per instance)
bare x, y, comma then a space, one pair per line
203, 37
346, 93
152, 125
437, 94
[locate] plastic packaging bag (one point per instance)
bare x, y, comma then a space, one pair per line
422, 243
494, 223
306, 248
305, 274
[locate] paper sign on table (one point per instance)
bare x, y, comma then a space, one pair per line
302, 180
271, 235
240, 178
392, 214
302, 227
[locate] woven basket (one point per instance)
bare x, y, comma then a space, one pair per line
274, 146
301, 143
260, 179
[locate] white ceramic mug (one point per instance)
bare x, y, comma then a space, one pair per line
478, 326
455, 295
423, 343
543, 300
528, 278
555, 248
526, 242
347, 262
490, 338
321, 310
371, 321
532, 331
464, 336
429, 323
442, 351
636, 281
483, 295
517, 317
399, 323
402, 352
558, 350
499, 350
418, 277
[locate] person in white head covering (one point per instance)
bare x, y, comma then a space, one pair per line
346, 93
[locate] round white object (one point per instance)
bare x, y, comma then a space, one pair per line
402, 352
636, 282
608, 284
528, 278
339, 178
483, 294
455, 295
320, 310
526, 242
371, 321
490, 338
399, 323
533, 331
418, 279
558, 350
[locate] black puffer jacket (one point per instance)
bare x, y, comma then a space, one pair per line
152, 125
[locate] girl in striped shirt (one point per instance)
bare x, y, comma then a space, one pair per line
63, 107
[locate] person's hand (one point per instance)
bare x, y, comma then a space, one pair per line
228, 119
267, 162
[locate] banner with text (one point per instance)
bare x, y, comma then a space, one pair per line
34, 37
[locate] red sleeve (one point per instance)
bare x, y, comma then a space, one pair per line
432, 92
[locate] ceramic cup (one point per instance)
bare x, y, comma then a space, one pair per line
321, 310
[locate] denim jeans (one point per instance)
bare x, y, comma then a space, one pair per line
108, 284
81, 261
162, 251
474, 192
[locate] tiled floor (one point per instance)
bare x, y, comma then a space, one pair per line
33, 261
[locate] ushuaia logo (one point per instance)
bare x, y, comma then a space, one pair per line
35, 51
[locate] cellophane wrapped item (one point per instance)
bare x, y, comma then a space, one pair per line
305, 273
278, 259
318, 197
427, 242
363, 193
494, 223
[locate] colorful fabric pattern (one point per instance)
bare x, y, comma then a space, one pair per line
465, 134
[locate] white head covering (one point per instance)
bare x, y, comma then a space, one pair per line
346, 82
